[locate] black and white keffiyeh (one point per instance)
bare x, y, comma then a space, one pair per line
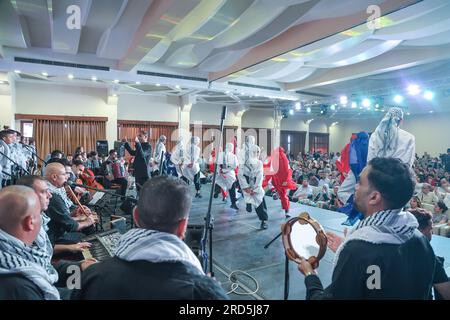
388, 226
17, 257
155, 246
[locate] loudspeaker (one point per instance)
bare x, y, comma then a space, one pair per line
101, 146
194, 233
120, 149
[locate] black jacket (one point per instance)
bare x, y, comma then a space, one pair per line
119, 279
406, 271
60, 219
142, 154
18, 287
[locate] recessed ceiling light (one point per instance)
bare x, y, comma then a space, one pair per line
291, 112
17, 71
138, 82
94, 78
227, 92
158, 85
116, 81
398, 99
2, 82
408, 114
298, 106
428, 95
308, 110
44, 74
431, 111
70, 76
177, 86
114, 95
343, 99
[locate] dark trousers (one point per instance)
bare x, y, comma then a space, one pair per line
196, 181
261, 211
123, 185
140, 181
232, 191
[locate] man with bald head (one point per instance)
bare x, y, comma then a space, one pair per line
65, 218
24, 271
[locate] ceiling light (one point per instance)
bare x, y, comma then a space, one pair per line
431, 111
377, 106
366, 103
17, 71
315, 102
308, 110
398, 99
2, 82
291, 112
116, 81
413, 89
227, 92
298, 106
158, 85
94, 78
177, 86
343, 99
408, 114
333, 107
138, 82
354, 105
45, 74
114, 95
428, 95
70, 76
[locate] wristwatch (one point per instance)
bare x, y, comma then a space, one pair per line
310, 273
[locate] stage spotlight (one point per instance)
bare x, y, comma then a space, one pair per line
333, 107
298, 106
366, 103
354, 105
291, 112
343, 99
377, 106
398, 99
413, 89
428, 95
308, 110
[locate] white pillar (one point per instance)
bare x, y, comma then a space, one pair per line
184, 112
111, 125
7, 102
276, 138
308, 123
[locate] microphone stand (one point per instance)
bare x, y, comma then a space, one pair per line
18, 165
286, 268
30, 148
207, 232
161, 162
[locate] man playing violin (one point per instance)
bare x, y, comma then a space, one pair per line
66, 219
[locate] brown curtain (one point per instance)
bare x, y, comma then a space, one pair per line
297, 144
67, 135
130, 130
319, 142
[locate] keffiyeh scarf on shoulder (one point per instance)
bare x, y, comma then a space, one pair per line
18, 258
155, 246
61, 192
388, 226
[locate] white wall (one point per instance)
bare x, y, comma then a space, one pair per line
6, 112
294, 124
146, 108
340, 134
432, 132
211, 113
318, 126
256, 118
36, 98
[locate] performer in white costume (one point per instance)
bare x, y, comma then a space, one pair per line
226, 176
177, 157
251, 176
158, 157
191, 166
389, 140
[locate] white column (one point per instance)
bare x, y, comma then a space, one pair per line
184, 112
111, 125
307, 122
276, 138
239, 112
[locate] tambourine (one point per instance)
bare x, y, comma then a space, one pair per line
303, 237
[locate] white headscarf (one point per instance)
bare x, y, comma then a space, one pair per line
386, 134
254, 154
229, 147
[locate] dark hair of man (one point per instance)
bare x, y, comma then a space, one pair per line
143, 133
442, 205
163, 202
77, 163
112, 151
29, 180
92, 154
62, 161
55, 154
393, 179
423, 217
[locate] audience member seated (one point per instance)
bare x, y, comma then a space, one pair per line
93, 162
155, 260
25, 272
440, 213
441, 282
114, 172
66, 220
426, 195
303, 192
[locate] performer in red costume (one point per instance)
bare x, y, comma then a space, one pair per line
281, 175
342, 164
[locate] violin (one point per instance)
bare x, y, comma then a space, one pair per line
72, 196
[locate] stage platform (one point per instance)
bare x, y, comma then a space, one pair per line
238, 244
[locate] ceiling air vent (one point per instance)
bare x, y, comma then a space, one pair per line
60, 64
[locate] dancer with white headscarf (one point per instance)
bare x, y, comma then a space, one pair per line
177, 157
226, 178
389, 140
158, 157
251, 174
191, 166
